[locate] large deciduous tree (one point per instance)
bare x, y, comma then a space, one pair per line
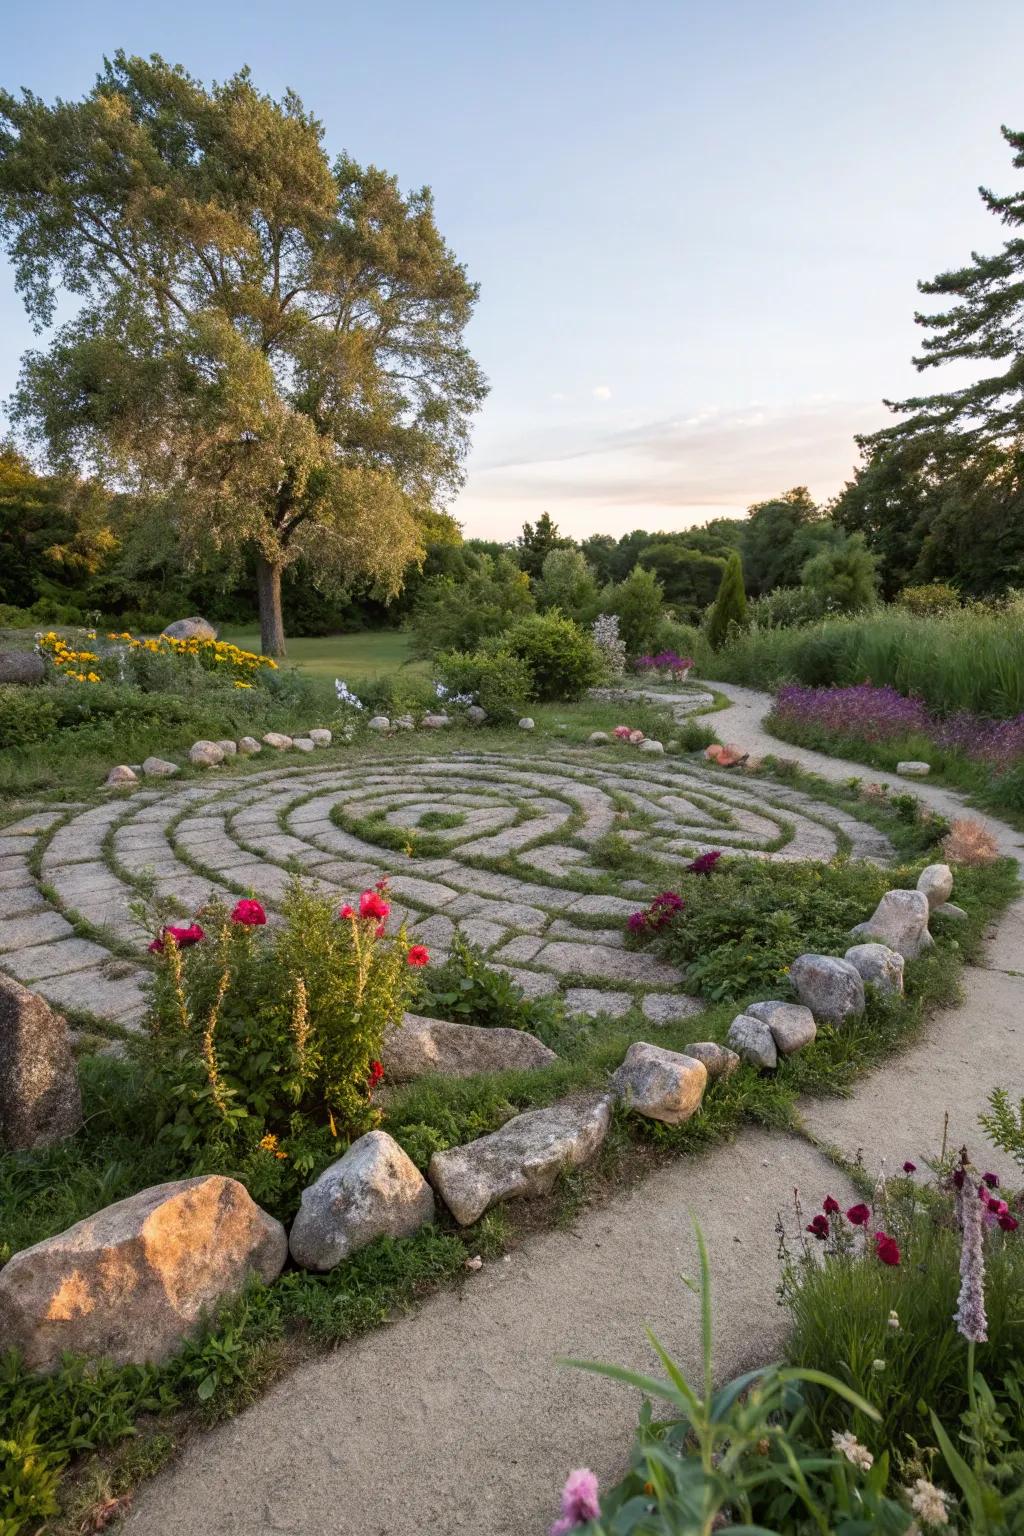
268, 349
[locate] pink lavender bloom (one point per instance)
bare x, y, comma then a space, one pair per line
970, 1316
579, 1501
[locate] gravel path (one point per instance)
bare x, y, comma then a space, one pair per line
458, 1418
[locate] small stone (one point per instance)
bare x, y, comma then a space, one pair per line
433, 722
375, 1190
523, 1159
379, 723
526, 723
22, 667
913, 770
122, 774
599, 738
475, 1263
718, 1059
194, 628
792, 1026
937, 883
660, 1084
950, 909
39, 1098
752, 1040
248, 746
832, 989
476, 715
879, 965
321, 736
205, 754
131, 1283
303, 744
159, 768
404, 723
228, 747
419, 1046
635, 738
901, 921
276, 740
657, 748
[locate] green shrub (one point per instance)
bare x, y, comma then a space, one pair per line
788, 607
562, 658
499, 682
639, 604
934, 597
458, 615
843, 575
730, 610
396, 693
27, 715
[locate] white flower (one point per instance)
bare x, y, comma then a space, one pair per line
928, 1502
878, 1365
894, 1321
858, 1455
345, 694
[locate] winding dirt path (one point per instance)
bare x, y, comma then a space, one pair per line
458, 1419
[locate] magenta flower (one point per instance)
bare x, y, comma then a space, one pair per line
705, 863
991, 1179
579, 1502
909, 1167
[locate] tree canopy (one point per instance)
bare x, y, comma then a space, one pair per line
268, 349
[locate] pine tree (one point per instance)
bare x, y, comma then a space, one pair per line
730, 604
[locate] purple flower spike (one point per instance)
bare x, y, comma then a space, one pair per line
579, 1502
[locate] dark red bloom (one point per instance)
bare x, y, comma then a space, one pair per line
887, 1248
909, 1167
991, 1179
371, 905
376, 1073
830, 1205
859, 1215
705, 863
418, 955
1008, 1223
819, 1227
958, 1178
182, 937
249, 913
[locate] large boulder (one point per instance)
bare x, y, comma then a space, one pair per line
524, 1158
190, 629
900, 921
937, 883
39, 1098
791, 1024
879, 965
278, 740
248, 746
832, 989
320, 736
375, 1190
753, 1041
660, 1084
24, 667
120, 775
205, 754
132, 1282
418, 1046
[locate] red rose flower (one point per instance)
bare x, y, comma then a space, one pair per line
376, 1073
859, 1215
1008, 1223
887, 1248
909, 1167
249, 913
347, 911
371, 905
830, 1205
819, 1227
418, 955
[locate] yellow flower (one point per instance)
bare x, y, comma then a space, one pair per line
243, 685
94, 677
269, 1143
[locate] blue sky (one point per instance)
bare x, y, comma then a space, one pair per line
697, 227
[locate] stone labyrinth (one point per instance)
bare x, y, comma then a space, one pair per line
515, 873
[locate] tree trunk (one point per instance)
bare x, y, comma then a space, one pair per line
268, 584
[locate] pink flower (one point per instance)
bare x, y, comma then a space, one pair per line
182, 937
621, 733
249, 913
380, 931
887, 1248
418, 955
347, 911
372, 905
579, 1501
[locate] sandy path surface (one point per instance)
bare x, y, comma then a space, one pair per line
458, 1417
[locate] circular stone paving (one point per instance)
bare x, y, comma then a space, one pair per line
500, 848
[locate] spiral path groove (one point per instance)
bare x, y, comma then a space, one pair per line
514, 847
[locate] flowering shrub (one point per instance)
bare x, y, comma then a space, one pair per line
610, 645
125, 658
261, 1043
501, 684
664, 662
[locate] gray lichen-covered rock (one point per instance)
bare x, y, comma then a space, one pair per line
663, 1085
526, 723
879, 965
912, 769
599, 738
718, 1059
404, 723
476, 714
656, 748
303, 743
132, 1282
159, 768
190, 629
248, 746
277, 740
435, 722
379, 723
937, 884
950, 909
375, 1190
227, 745
753, 1041
205, 754
124, 773
524, 1158
901, 921
792, 1025
321, 736
419, 1046
24, 667
831, 988
39, 1098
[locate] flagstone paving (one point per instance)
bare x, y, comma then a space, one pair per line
516, 876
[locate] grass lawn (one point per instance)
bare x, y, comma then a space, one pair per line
371, 653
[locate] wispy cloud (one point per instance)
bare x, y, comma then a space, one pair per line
601, 392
